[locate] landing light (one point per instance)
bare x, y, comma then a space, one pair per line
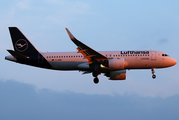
102, 66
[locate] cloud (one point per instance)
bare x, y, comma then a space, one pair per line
23, 5
22, 101
31, 12
162, 41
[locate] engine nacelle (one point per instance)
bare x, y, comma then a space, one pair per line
118, 75
117, 64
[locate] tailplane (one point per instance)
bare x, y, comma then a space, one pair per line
21, 44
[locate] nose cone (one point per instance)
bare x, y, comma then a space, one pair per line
173, 62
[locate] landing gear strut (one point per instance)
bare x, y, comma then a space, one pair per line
153, 75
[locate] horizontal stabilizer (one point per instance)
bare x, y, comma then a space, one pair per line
17, 55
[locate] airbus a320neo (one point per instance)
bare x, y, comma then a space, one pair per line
112, 64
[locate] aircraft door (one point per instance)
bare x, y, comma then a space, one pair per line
153, 55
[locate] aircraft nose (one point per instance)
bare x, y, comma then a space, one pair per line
173, 61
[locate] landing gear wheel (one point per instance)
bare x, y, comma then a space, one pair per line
153, 76
96, 80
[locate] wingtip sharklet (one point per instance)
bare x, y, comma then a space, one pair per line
69, 34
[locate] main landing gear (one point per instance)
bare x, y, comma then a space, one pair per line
96, 80
153, 75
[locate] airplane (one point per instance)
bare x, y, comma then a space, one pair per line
112, 64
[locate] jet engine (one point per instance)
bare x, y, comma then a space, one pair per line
117, 75
117, 64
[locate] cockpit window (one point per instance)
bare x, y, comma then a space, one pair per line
164, 55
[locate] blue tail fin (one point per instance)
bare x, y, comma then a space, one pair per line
21, 43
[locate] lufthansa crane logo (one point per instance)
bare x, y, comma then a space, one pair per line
21, 45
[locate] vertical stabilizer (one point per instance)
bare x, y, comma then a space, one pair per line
21, 43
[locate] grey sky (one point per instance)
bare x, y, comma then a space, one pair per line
21, 101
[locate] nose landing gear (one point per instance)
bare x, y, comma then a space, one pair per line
153, 75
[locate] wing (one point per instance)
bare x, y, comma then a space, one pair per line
86, 51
